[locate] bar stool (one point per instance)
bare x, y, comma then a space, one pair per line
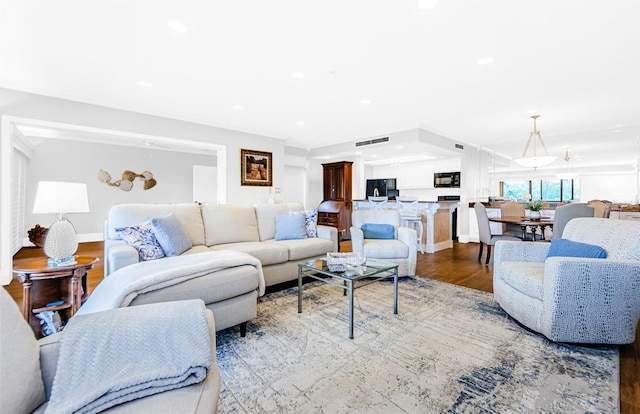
408, 208
378, 203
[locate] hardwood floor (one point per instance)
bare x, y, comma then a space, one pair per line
457, 266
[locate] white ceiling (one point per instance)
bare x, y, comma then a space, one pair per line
576, 63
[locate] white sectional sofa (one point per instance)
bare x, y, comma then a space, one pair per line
230, 292
213, 227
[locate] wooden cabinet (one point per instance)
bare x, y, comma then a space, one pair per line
335, 210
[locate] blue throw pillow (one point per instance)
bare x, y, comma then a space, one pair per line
171, 235
290, 227
378, 231
142, 238
568, 248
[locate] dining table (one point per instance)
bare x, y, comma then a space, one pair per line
526, 222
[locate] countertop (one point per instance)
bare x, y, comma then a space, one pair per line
614, 206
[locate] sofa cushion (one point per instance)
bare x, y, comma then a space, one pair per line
20, 376
306, 248
290, 227
378, 231
525, 277
142, 238
225, 223
569, 248
211, 288
171, 235
310, 221
266, 213
267, 253
122, 215
385, 249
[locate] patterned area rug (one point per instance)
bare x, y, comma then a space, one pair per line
449, 349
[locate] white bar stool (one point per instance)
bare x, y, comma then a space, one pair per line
378, 203
408, 208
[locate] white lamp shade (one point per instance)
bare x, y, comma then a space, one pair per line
535, 162
61, 198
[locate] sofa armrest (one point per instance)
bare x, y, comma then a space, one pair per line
49, 353
611, 286
118, 254
357, 240
409, 237
329, 233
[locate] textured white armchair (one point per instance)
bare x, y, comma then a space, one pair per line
573, 299
401, 250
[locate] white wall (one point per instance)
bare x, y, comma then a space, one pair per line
204, 184
295, 181
618, 188
63, 160
45, 108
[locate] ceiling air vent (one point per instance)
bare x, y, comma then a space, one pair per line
372, 141
459, 146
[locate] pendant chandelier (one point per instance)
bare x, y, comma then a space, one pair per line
534, 160
566, 172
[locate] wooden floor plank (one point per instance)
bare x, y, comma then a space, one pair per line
458, 266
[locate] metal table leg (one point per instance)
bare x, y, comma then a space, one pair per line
299, 290
395, 291
351, 309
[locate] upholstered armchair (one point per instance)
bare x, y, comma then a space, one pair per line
574, 299
29, 365
400, 247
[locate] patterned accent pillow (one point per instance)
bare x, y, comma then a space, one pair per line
142, 238
310, 221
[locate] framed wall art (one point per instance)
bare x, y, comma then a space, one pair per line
256, 168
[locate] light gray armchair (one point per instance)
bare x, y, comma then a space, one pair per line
574, 299
401, 250
29, 365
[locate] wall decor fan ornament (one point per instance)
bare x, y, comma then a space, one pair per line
126, 183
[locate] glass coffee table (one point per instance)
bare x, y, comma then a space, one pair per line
373, 271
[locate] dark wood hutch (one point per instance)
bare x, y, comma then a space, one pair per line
335, 209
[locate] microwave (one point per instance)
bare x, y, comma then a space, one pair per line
446, 180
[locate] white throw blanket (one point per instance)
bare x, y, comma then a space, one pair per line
121, 287
112, 357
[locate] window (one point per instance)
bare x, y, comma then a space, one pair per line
548, 190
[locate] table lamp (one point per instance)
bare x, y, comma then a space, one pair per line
61, 241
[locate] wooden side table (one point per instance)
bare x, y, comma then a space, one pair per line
42, 285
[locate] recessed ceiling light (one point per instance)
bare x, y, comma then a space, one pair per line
178, 26
238, 107
365, 101
487, 60
300, 123
298, 75
144, 84
399, 146
374, 156
358, 152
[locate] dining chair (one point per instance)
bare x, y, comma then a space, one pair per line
512, 209
408, 208
484, 230
567, 212
378, 202
600, 208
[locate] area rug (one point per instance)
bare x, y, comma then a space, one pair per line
448, 350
